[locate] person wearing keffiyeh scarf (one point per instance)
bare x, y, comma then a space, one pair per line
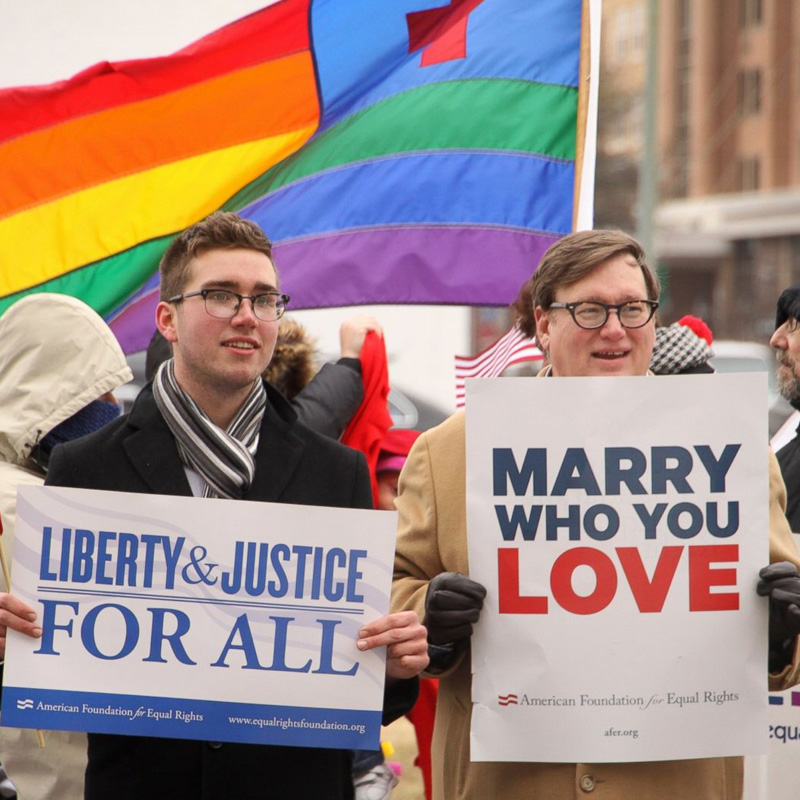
680, 350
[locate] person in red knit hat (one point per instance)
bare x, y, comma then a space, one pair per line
683, 348
394, 449
393, 453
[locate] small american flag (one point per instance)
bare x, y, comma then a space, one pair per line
511, 348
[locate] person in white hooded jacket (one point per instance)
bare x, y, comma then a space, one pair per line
59, 364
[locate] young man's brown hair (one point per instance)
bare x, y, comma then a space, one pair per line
222, 230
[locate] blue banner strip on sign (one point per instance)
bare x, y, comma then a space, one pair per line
142, 715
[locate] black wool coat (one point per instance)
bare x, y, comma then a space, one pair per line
137, 453
789, 460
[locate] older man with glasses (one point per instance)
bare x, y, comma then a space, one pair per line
590, 304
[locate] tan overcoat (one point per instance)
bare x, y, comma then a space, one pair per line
431, 540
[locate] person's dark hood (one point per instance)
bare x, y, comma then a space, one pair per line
788, 305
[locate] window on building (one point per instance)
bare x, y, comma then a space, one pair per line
794, 244
749, 13
749, 92
622, 35
748, 174
683, 68
626, 40
636, 119
638, 31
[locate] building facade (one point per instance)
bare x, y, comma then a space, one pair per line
728, 224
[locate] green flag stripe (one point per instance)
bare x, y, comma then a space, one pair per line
105, 284
525, 117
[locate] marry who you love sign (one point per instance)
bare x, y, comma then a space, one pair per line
618, 525
199, 619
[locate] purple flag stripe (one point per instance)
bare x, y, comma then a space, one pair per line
423, 265
134, 324
407, 265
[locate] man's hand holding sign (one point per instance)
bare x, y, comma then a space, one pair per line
405, 642
780, 582
452, 606
17, 616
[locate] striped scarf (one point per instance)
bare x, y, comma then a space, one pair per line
225, 460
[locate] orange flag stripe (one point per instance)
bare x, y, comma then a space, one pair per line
88, 151
114, 216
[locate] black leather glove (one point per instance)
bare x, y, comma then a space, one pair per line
452, 605
780, 582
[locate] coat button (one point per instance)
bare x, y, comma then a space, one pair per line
587, 783
215, 745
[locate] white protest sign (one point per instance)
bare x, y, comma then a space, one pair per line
618, 525
774, 776
196, 618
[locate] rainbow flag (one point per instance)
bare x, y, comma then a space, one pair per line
413, 151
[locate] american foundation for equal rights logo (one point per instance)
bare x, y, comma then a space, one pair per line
508, 699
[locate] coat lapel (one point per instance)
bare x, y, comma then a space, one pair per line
279, 451
152, 451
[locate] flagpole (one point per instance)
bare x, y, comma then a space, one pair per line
584, 76
648, 172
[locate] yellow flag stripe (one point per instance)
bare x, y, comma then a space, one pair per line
53, 239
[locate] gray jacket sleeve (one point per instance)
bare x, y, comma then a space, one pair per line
331, 399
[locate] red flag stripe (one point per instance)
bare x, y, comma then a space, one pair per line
487, 362
266, 35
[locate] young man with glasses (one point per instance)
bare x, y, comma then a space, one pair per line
209, 426
590, 304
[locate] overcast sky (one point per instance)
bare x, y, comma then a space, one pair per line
42, 41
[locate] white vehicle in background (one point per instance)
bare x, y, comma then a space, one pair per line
406, 409
732, 356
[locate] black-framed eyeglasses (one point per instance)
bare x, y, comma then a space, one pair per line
224, 304
590, 314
